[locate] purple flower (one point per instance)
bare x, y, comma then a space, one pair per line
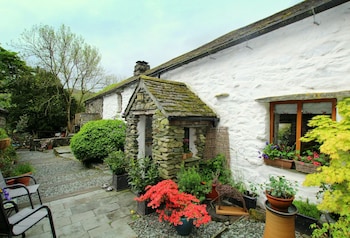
6, 194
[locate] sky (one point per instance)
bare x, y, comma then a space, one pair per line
125, 31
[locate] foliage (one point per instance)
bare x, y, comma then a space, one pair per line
191, 181
216, 168
273, 151
171, 204
280, 187
66, 56
38, 103
8, 158
307, 209
334, 180
97, 138
23, 168
186, 145
142, 172
116, 161
3, 133
314, 157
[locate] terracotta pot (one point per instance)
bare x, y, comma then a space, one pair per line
279, 204
4, 143
279, 163
25, 180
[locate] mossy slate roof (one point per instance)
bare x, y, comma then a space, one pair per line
174, 99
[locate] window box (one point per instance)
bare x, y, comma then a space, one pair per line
279, 163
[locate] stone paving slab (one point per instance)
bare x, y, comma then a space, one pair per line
80, 207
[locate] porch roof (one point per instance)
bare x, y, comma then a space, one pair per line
174, 99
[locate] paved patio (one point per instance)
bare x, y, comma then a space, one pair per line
80, 207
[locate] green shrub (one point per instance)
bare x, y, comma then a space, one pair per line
97, 139
117, 162
191, 181
22, 169
307, 209
8, 157
216, 166
3, 133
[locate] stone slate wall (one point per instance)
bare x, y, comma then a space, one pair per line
95, 106
167, 139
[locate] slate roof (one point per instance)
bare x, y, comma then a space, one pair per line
174, 99
288, 16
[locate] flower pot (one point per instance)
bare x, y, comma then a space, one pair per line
120, 181
187, 155
279, 204
185, 228
307, 168
24, 180
142, 208
4, 143
250, 202
302, 224
279, 163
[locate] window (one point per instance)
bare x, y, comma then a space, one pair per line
289, 120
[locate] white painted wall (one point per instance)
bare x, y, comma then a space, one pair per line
299, 58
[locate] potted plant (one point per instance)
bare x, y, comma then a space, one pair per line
280, 192
180, 209
117, 163
191, 181
280, 156
142, 172
310, 161
308, 214
5, 141
186, 147
23, 169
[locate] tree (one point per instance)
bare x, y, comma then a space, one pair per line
67, 57
334, 180
41, 98
11, 69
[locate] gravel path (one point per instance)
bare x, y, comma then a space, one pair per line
62, 177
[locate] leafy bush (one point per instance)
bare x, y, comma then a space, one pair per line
216, 168
190, 181
307, 209
117, 162
97, 139
23, 168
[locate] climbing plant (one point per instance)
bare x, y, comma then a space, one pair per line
334, 180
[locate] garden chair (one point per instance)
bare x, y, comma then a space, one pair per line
19, 190
23, 220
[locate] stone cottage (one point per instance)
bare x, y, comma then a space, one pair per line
273, 74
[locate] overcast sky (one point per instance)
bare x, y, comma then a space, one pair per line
125, 31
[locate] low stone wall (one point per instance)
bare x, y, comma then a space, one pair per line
49, 143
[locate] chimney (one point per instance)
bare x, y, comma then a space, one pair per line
141, 67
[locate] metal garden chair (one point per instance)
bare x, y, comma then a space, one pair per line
19, 190
23, 220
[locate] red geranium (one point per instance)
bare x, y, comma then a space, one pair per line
171, 204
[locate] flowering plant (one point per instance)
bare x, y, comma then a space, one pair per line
172, 205
313, 157
6, 193
273, 151
186, 145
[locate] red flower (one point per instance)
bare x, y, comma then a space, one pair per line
171, 204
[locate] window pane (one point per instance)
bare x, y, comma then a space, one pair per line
285, 124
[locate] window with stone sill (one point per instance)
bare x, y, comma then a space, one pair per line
289, 119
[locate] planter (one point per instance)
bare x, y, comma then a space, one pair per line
302, 224
4, 143
279, 163
307, 168
185, 228
187, 155
24, 180
120, 181
279, 204
213, 194
143, 209
250, 202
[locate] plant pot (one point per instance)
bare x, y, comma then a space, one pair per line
213, 194
307, 168
4, 143
185, 228
120, 181
10, 181
279, 204
24, 180
187, 155
302, 224
143, 209
250, 202
279, 163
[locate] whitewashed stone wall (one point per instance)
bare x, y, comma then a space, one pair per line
299, 58
111, 106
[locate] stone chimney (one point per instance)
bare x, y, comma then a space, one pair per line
141, 67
